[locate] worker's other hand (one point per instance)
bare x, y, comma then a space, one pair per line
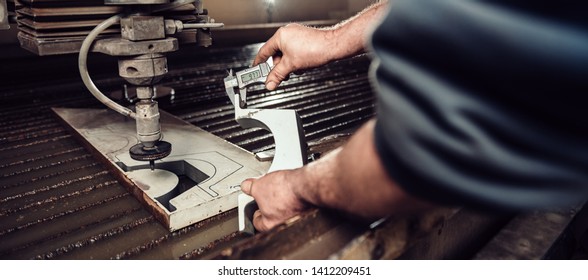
276, 197
295, 48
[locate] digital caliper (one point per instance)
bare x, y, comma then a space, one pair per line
244, 78
252, 75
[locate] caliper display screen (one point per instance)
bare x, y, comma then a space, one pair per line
250, 76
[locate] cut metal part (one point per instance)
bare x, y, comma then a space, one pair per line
290, 151
285, 126
213, 167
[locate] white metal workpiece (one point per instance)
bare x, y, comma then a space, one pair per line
213, 167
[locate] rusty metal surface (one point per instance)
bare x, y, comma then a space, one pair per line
314, 235
535, 235
459, 237
390, 238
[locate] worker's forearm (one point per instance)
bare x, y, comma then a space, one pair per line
353, 179
350, 36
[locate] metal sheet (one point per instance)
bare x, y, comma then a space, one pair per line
69, 11
216, 166
37, 25
74, 34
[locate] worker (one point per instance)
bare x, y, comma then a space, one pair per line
480, 104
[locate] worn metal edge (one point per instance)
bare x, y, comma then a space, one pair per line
459, 237
286, 238
390, 238
535, 235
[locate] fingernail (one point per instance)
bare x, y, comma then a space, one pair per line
271, 85
246, 186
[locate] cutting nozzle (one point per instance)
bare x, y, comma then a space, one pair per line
160, 150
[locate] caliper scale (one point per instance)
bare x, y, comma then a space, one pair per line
284, 124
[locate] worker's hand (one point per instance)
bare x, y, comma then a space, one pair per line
276, 197
295, 48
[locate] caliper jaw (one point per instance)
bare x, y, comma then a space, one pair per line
231, 84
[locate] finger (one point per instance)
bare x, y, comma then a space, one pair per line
259, 221
266, 51
277, 58
278, 74
246, 186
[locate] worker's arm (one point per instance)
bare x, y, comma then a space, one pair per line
483, 110
297, 47
351, 179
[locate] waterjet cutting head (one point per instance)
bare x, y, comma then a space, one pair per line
144, 40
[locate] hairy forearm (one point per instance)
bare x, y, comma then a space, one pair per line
353, 179
350, 36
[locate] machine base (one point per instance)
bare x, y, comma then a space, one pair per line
209, 168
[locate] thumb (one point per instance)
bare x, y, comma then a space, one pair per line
260, 222
246, 186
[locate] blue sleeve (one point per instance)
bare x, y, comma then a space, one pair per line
484, 103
